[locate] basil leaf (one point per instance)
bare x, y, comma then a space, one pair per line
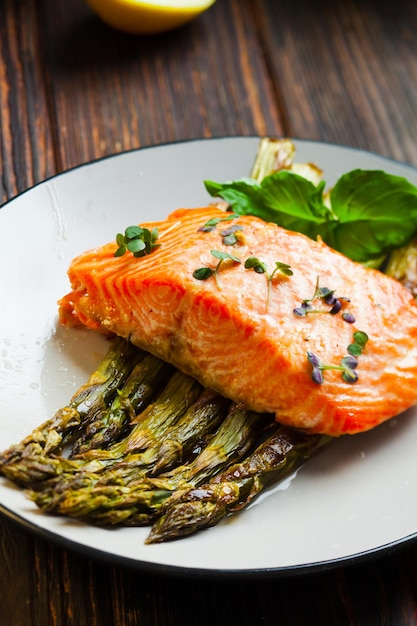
295, 197
285, 198
244, 194
377, 212
371, 211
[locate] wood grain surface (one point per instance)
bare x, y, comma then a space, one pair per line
73, 90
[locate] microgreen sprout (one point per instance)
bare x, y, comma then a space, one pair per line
327, 296
347, 367
230, 236
359, 342
210, 225
137, 240
203, 273
253, 263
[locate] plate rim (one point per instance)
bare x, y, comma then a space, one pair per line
303, 569
115, 155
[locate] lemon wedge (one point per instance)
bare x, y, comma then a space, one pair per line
148, 17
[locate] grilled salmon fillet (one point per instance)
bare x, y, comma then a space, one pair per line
273, 355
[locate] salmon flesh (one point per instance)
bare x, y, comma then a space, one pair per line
276, 342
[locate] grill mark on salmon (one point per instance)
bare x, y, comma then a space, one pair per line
229, 340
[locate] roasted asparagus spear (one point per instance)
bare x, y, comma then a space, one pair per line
34, 464
84, 407
142, 385
149, 426
233, 489
111, 499
174, 447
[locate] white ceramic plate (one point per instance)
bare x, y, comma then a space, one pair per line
356, 499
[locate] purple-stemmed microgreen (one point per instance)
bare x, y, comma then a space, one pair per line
211, 224
230, 236
253, 263
347, 367
327, 297
203, 273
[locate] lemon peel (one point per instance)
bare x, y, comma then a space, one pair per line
148, 17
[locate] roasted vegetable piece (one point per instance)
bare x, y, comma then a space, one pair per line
144, 382
87, 403
275, 155
149, 426
402, 265
200, 507
192, 432
175, 446
34, 465
111, 499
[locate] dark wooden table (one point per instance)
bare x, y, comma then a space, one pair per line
72, 90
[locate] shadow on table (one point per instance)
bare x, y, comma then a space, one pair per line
89, 43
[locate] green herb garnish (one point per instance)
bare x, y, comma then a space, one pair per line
327, 296
203, 273
211, 224
347, 367
253, 263
359, 341
369, 212
230, 236
137, 240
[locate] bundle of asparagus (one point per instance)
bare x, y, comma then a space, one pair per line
143, 444
124, 466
